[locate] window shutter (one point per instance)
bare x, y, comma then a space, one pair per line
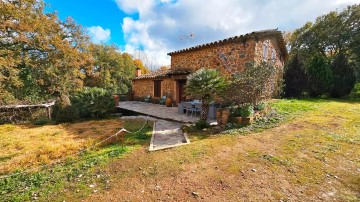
157, 88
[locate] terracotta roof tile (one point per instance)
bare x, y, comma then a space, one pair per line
161, 74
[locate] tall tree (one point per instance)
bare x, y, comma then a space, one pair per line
344, 76
295, 77
333, 34
40, 47
320, 76
139, 64
111, 70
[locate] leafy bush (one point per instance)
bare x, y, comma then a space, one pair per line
355, 93
246, 111
256, 83
260, 107
41, 122
63, 112
66, 114
201, 124
93, 102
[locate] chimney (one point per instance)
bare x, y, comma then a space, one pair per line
137, 72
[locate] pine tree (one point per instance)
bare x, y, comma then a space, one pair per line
320, 76
344, 76
295, 78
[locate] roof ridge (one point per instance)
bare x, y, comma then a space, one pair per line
229, 39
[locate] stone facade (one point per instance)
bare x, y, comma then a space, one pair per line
145, 87
230, 56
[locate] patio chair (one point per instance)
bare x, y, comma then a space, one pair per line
189, 107
162, 100
181, 108
197, 108
147, 98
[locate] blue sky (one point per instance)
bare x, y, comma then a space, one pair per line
104, 13
149, 29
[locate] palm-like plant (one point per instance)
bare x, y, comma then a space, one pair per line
205, 84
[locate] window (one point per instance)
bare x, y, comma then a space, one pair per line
273, 55
265, 49
157, 88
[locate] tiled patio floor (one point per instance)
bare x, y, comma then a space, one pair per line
158, 111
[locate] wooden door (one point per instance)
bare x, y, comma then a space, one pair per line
181, 91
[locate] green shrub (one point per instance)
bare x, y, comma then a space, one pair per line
201, 124
355, 93
41, 121
93, 102
246, 111
260, 107
64, 114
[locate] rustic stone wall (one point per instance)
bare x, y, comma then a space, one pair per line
144, 87
272, 50
228, 58
274, 55
168, 87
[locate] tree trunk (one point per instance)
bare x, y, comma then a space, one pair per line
204, 110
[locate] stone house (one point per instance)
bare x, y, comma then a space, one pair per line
228, 55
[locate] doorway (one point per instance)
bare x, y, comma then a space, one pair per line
181, 90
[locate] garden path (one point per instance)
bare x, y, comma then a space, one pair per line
166, 134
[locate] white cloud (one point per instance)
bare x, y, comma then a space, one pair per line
163, 23
99, 34
132, 6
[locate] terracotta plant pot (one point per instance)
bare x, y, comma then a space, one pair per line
168, 102
238, 119
225, 116
219, 116
117, 100
247, 120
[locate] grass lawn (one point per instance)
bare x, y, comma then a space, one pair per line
24, 147
310, 151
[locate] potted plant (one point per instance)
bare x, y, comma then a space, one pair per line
223, 113
236, 116
219, 115
116, 99
168, 101
246, 112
